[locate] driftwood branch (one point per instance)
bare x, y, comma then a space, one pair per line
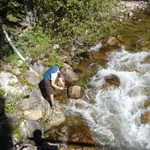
11, 44
17, 51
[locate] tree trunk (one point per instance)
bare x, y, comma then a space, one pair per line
31, 14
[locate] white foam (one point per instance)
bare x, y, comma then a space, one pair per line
114, 117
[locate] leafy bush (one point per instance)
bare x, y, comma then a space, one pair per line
12, 18
53, 59
17, 133
36, 45
80, 19
2, 93
62, 22
10, 107
13, 59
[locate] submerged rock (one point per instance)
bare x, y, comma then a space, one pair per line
112, 80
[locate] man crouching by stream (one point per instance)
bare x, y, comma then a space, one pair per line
51, 77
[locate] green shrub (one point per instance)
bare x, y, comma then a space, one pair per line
10, 106
61, 22
2, 93
13, 59
12, 18
17, 133
80, 19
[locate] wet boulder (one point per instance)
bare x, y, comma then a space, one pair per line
112, 41
147, 59
69, 75
112, 80
75, 92
145, 118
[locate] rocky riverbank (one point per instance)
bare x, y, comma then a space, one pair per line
28, 111
24, 109
127, 8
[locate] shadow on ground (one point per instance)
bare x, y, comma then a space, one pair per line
5, 128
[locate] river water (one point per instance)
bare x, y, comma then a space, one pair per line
114, 116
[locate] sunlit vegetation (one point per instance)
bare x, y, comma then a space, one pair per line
56, 22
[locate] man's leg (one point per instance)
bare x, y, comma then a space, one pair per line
49, 93
51, 100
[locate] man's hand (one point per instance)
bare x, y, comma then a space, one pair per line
61, 88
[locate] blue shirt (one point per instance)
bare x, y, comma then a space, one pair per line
47, 74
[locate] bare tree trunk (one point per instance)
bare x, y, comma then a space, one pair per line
31, 14
11, 44
17, 51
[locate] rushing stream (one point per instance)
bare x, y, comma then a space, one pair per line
114, 116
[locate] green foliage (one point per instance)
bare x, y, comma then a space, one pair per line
61, 22
54, 59
36, 45
23, 81
10, 106
12, 18
31, 87
13, 59
47, 122
139, 36
80, 19
11, 9
2, 93
17, 133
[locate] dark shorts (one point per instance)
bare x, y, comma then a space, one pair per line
49, 89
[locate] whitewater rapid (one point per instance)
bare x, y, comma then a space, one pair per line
114, 116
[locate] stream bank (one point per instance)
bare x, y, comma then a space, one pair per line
91, 59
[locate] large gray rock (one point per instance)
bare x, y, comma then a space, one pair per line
10, 84
27, 128
39, 68
37, 108
32, 77
26, 146
55, 117
33, 114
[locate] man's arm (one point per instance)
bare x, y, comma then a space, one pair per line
53, 81
62, 83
